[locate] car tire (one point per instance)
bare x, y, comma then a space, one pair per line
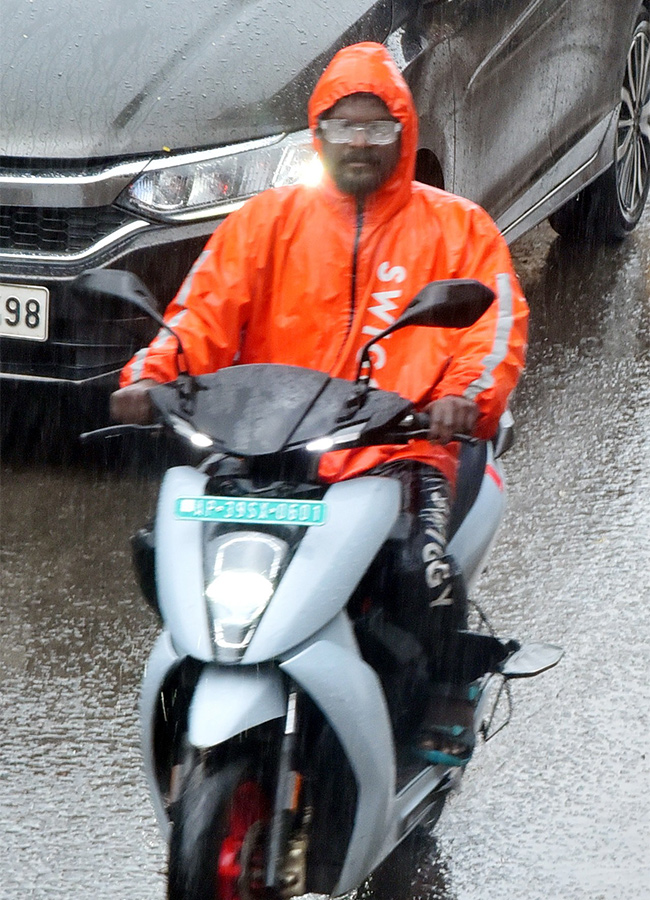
610, 207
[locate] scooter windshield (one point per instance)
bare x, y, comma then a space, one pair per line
259, 410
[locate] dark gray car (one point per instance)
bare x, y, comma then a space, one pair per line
128, 128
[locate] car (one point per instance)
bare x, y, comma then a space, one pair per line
129, 130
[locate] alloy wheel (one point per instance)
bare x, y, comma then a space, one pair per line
633, 136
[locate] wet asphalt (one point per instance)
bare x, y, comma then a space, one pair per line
554, 807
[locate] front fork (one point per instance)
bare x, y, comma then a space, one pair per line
287, 782
288, 837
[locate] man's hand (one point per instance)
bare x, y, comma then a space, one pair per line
131, 404
451, 415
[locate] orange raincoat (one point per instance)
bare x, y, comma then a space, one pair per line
299, 276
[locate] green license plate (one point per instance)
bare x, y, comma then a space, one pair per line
267, 511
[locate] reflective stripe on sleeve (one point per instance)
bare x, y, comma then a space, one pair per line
138, 364
163, 335
186, 287
499, 351
181, 298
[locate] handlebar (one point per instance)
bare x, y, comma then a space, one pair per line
111, 431
415, 426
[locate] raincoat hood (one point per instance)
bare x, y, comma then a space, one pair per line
368, 68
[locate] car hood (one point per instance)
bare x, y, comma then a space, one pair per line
122, 77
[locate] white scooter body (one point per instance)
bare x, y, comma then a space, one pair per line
209, 690
306, 634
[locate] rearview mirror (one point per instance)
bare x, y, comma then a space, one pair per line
531, 659
119, 286
454, 303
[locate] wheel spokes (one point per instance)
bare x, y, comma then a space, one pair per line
637, 187
631, 75
644, 123
625, 140
642, 157
625, 180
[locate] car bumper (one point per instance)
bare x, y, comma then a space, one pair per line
85, 349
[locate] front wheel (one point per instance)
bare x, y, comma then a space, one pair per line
610, 208
215, 851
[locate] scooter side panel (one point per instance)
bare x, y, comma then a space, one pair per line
328, 564
348, 692
161, 659
229, 701
179, 565
471, 544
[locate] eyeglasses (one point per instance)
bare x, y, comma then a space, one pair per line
340, 131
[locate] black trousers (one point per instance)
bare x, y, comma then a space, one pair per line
428, 597
417, 586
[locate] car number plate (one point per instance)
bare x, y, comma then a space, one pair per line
268, 511
24, 311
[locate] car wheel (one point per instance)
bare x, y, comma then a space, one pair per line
610, 208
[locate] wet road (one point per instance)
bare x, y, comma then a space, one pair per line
553, 808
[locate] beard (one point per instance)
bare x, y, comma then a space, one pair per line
358, 174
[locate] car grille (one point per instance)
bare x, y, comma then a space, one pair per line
57, 231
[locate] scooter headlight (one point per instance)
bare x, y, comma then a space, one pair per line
241, 574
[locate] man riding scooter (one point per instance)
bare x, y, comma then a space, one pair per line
306, 275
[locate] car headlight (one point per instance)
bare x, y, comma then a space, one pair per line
241, 572
209, 183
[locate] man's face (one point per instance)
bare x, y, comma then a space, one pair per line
359, 167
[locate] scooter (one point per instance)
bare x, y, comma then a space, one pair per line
276, 744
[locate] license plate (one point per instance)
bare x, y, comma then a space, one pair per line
24, 311
268, 511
